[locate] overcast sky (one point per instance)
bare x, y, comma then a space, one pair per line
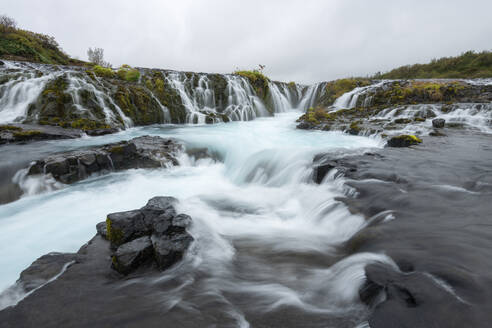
304, 41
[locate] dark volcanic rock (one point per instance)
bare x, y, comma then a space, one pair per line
169, 249
43, 269
125, 226
438, 122
131, 255
158, 230
141, 152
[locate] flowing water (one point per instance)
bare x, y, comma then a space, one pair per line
254, 207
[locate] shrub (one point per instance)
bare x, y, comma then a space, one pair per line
103, 71
7, 24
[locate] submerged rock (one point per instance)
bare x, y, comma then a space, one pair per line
141, 152
438, 122
403, 140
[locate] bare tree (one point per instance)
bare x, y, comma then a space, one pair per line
7, 23
96, 56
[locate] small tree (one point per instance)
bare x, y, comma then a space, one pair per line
7, 23
96, 56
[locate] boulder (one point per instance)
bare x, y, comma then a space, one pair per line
403, 140
125, 226
154, 229
170, 249
438, 122
2, 63
131, 255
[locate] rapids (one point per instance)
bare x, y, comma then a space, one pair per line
255, 206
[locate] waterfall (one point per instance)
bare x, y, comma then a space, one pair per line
242, 102
281, 99
16, 95
206, 98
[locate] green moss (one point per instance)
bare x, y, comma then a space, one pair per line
409, 137
335, 89
128, 74
25, 134
9, 128
103, 71
87, 124
316, 115
257, 80
132, 75
115, 236
117, 149
419, 119
354, 127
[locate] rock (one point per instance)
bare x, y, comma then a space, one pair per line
101, 132
141, 152
170, 249
157, 224
438, 122
22, 133
436, 133
403, 141
305, 126
2, 63
101, 228
131, 255
43, 269
125, 226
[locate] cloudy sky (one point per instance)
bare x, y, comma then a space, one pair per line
305, 41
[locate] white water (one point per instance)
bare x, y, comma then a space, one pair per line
258, 205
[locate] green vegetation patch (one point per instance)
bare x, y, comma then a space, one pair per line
468, 65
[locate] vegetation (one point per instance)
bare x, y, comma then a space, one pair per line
335, 89
103, 71
22, 45
96, 56
129, 74
316, 116
257, 80
468, 65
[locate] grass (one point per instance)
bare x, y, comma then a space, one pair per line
23, 45
467, 65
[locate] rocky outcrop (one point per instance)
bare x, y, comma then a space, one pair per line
21, 133
140, 152
153, 233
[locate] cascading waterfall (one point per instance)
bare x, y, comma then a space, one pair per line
25, 82
242, 102
349, 99
17, 94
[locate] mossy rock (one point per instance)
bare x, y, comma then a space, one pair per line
404, 140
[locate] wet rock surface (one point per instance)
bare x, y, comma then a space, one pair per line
153, 232
92, 292
140, 152
22, 133
434, 201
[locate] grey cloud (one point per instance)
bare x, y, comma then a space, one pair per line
303, 41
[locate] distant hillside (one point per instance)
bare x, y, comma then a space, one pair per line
16, 44
468, 65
